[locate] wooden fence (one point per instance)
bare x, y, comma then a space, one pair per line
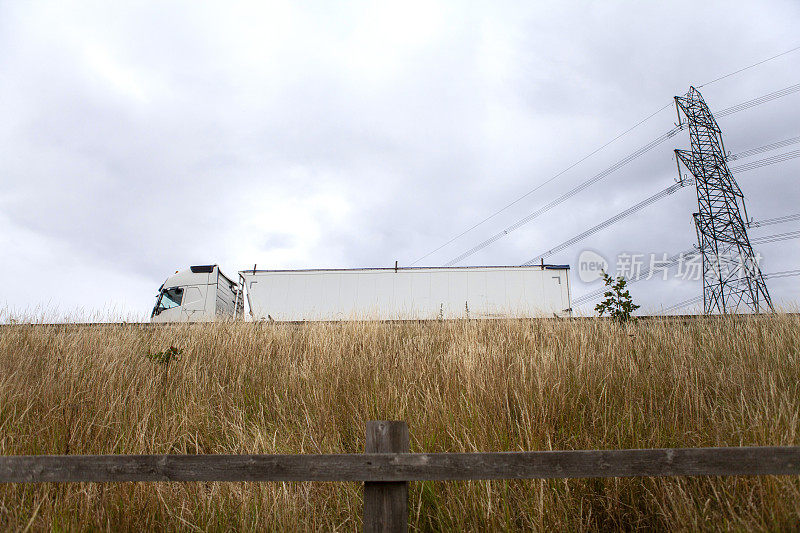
386, 467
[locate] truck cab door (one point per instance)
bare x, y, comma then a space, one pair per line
193, 307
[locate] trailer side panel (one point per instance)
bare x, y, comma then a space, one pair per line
408, 293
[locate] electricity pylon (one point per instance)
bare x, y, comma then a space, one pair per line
732, 279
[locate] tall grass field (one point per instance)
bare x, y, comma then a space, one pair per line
462, 386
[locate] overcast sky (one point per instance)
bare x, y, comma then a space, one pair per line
137, 140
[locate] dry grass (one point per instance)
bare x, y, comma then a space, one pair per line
461, 386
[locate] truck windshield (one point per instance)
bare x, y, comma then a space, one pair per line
169, 298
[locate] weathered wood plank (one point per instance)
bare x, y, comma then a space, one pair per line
743, 461
386, 502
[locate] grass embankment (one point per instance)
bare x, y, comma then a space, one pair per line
461, 386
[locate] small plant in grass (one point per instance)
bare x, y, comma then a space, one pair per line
165, 357
617, 301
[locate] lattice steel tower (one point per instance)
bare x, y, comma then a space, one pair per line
732, 279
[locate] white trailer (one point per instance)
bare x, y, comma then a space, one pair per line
416, 293
408, 293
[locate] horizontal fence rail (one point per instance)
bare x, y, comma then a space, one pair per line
751, 461
387, 469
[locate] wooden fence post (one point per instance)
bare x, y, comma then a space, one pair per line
386, 503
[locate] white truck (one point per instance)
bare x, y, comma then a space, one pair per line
203, 293
200, 294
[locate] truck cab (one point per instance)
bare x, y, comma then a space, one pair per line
200, 294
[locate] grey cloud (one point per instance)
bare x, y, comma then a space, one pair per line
143, 138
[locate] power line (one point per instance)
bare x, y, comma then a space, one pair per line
731, 110
780, 158
619, 164
698, 299
776, 220
684, 303
766, 148
611, 221
559, 174
758, 101
750, 66
783, 274
767, 239
564, 197
651, 200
